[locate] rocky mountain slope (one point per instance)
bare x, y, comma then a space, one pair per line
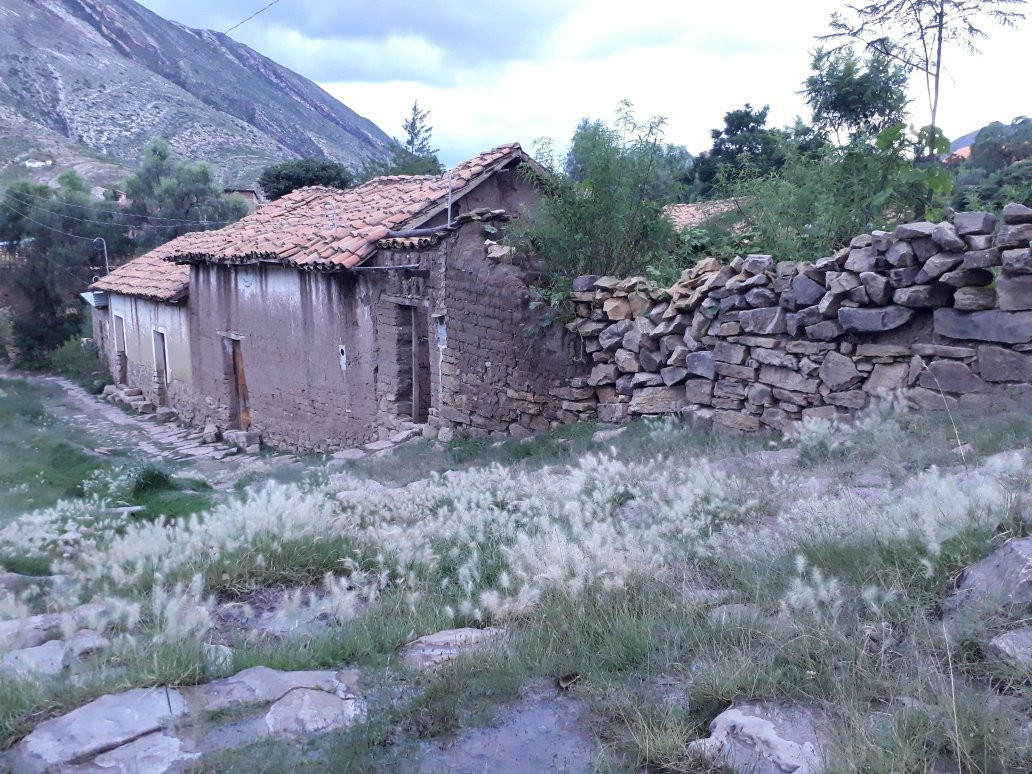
85, 84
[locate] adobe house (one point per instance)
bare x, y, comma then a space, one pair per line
331, 318
141, 326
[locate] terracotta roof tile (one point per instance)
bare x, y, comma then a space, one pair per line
332, 229
687, 215
151, 276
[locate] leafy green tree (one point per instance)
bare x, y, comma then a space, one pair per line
280, 179
601, 205
54, 230
1010, 184
412, 155
171, 196
999, 145
745, 144
816, 203
850, 97
917, 34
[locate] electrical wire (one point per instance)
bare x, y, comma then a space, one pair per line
108, 224
256, 13
44, 225
123, 214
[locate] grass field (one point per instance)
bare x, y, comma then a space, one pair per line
675, 569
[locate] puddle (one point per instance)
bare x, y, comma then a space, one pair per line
542, 732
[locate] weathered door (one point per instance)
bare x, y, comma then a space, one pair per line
420, 366
240, 408
121, 359
160, 368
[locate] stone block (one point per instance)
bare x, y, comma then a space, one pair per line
612, 336
945, 235
828, 330
1016, 214
787, 379
727, 352
974, 299
734, 371
757, 264
943, 350
768, 321
883, 350
901, 255
698, 390
700, 363
861, 259
839, 372
968, 223
877, 286
672, 375
852, 399
963, 278
1014, 236
937, 265
603, 374
914, 230
1017, 261
583, 283
924, 296
1014, 292
626, 361
650, 360
902, 278
950, 376
997, 364
886, 377
657, 400
806, 291
992, 325
874, 320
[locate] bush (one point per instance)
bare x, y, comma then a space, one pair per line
79, 360
601, 209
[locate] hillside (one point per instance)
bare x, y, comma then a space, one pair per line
87, 83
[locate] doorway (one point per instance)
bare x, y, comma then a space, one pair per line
121, 359
239, 410
413, 363
160, 368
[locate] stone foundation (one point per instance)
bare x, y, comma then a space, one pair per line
943, 310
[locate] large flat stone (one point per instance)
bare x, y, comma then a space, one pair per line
433, 649
839, 372
101, 725
950, 376
263, 685
657, 400
308, 711
1014, 293
997, 364
990, 325
874, 320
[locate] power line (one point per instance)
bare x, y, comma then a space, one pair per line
118, 212
259, 11
110, 224
44, 225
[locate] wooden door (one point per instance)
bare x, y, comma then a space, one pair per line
243, 411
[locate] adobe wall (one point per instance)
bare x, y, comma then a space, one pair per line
942, 310
142, 318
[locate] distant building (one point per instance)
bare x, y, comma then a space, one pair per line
330, 318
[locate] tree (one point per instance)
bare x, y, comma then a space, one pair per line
852, 98
171, 196
418, 133
280, 179
916, 34
411, 156
54, 230
746, 142
601, 205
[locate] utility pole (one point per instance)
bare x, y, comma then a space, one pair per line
103, 243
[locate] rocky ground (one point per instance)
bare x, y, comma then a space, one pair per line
654, 597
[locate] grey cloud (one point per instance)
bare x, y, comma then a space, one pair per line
467, 34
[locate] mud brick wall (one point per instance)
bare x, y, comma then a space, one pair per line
942, 310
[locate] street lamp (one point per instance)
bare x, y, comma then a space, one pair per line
103, 243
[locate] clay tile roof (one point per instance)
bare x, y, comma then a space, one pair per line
151, 276
687, 215
332, 229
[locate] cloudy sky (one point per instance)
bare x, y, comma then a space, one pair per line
493, 72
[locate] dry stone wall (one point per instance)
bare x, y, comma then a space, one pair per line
943, 310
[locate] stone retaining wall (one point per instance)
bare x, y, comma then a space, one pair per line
942, 309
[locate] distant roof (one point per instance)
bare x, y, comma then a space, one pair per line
687, 215
329, 229
151, 276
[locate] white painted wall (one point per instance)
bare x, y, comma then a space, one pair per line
142, 318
